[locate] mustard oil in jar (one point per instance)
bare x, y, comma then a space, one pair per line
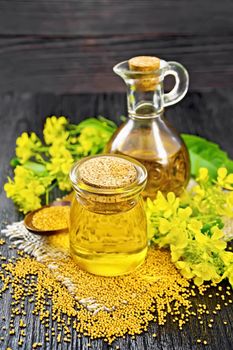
108, 227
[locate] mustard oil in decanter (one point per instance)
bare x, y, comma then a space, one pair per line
165, 175
146, 136
164, 156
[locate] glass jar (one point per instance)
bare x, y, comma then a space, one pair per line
108, 226
146, 135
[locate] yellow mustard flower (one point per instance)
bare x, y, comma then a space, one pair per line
167, 205
178, 237
184, 213
195, 225
164, 225
54, 129
203, 175
60, 165
229, 272
150, 231
64, 183
26, 189
227, 257
224, 180
185, 269
213, 242
92, 140
205, 271
27, 146
199, 193
224, 207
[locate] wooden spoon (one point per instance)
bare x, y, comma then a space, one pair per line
29, 217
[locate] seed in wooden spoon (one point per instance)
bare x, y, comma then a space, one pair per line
51, 218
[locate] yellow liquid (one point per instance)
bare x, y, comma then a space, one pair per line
160, 150
108, 244
165, 175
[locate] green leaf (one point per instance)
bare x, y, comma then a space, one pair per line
14, 162
100, 123
37, 168
204, 153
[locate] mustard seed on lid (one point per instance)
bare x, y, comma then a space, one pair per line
107, 172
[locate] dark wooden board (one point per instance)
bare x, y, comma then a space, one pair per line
84, 64
207, 114
59, 46
97, 17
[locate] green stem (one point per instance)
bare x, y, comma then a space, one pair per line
43, 149
74, 132
72, 147
49, 189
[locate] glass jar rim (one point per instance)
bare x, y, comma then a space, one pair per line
137, 185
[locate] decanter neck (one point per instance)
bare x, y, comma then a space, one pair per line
145, 93
145, 104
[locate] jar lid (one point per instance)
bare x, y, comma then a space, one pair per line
107, 174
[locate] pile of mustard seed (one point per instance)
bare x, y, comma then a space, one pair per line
51, 218
102, 307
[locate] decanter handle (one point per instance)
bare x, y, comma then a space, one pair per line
181, 83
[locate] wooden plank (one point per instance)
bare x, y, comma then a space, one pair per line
98, 17
74, 65
207, 114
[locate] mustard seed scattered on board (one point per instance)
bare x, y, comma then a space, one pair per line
51, 218
66, 339
21, 323
155, 286
102, 307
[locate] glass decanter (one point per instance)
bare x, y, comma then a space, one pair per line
146, 135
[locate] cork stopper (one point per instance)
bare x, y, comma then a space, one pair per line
107, 172
145, 64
